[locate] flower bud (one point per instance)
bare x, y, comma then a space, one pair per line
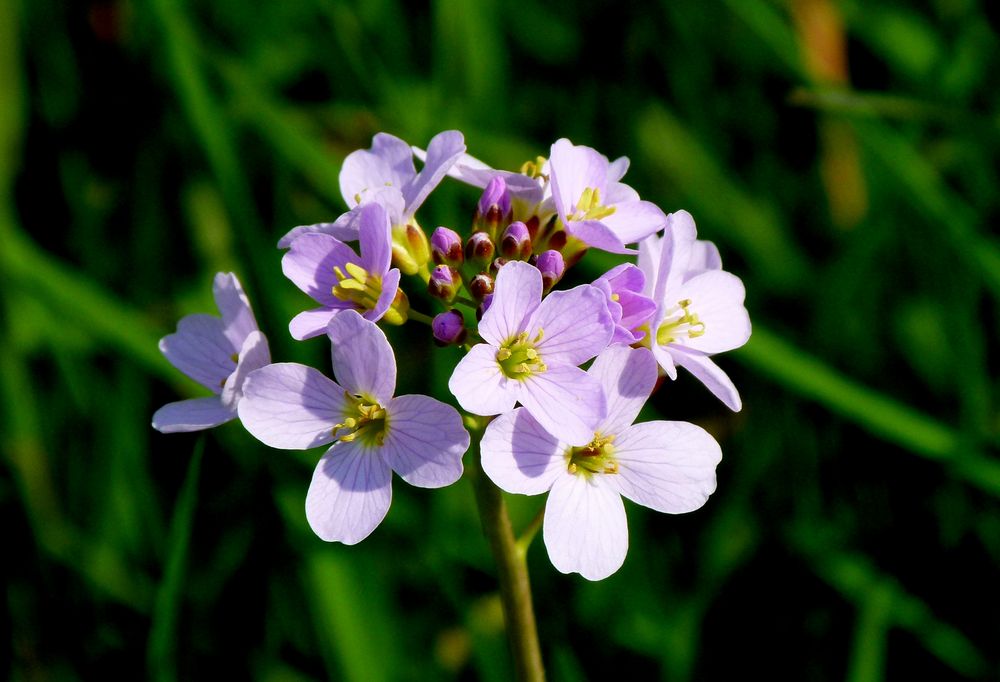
444, 283
480, 286
516, 242
449, 328
410, 250
399, 311
446, 247
494, 209
479, 250
550, 264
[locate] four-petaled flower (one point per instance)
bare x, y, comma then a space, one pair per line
218, 354
532, 352
666, 466
699, 310
292, 406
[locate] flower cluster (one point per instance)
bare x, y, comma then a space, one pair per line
547, 420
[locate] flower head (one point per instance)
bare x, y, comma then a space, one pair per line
699, 306
293, 406
532, 352
218, 354
629, 308
666, 466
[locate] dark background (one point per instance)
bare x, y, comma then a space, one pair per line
843, 155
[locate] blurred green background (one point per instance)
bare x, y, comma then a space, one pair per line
843, 155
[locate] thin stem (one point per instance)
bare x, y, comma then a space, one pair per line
419, 317
466, 301
512, 573
529, 533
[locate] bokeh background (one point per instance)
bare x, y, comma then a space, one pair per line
842, 153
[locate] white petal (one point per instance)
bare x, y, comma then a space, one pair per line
362, 173
291, 406
237, 317
717, 299
520, 456
633, 221
575, 325
710, 374
311, 323
666, 466
192, 415
254, 355
565, 400
675, 253
350, 493
398, 157
478, 384
573, 169
585, 530
516, 293
362, 357
425, 441
443, 151
627, 376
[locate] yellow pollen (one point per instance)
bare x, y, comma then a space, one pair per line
518, 358
364, 418
589, 206
357, 285
680, 323
533, 169
597, 457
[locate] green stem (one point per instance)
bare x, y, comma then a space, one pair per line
529, 533
419, 317
512, 573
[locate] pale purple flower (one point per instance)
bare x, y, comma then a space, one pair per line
593, 205
292, 406
385, 175
666, 466
532, 352
700, 309
338, 279
629, 308
218, 353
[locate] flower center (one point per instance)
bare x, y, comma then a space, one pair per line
597, 457
680, 323
518, 358
589, 206
357, 285
364, 419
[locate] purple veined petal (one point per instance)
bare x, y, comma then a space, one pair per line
344, 228
478, 384
520, 456
573, 169
376, 239
312, 323
666, 466
398, 157
575, 325
625, 277
650, 252
636, 309
390, 283
710, 374
717, 298
597, 235
585, 530
362, 357
350, 493
704, 256
363, 172
310, 263
665, 360
633, 221
675, 253
425, 442
192, 415
199, 348
443, 151
627, 376
566, 401
516, 293
291, 406
254, 355
617, 169
237, 316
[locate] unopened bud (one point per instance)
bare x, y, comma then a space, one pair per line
516, 242
399, 311
480, 286
494, 209
484, 306
410, 250
449, 328
444, 283
550, 264
479, 250
446, 247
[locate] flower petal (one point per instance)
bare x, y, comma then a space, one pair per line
585, 530
573, 169
310, 323
478, 384
617, 169
443, 151
516, 293
665, 360
254, 355
633, 221
598, 235
199, 348
666, 466
717, 298
390, 284
650, 251
675, 253
362, 357
362, 173
344, 228
704, 256
425, 441
709, 373
376, 239
310, 264
627, 376
291, 406
575, 324
192, 415
520, 456
237, 317
398, 157
566, 401
349, 494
